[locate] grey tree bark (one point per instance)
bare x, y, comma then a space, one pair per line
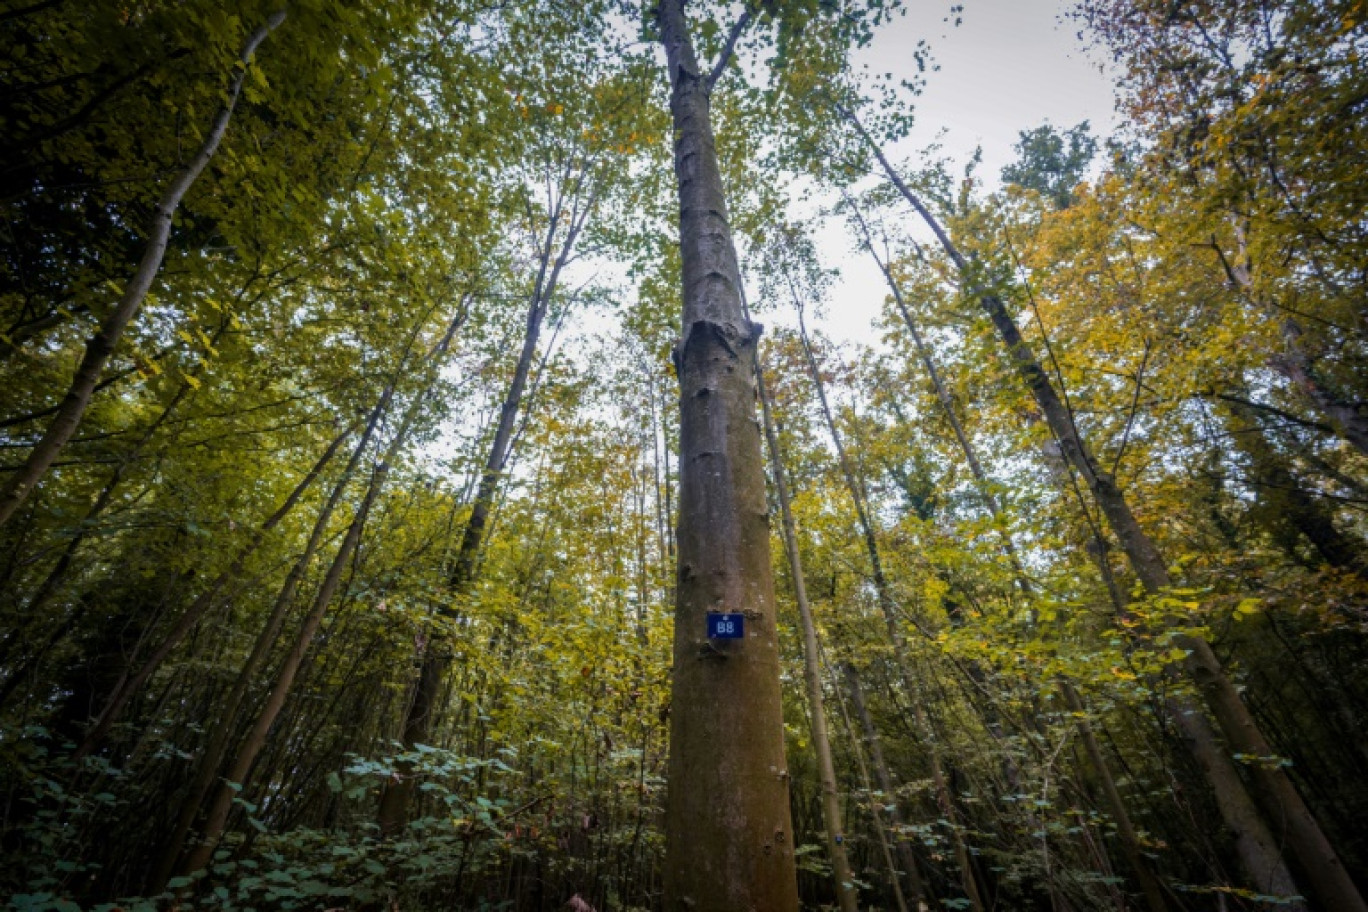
728, 833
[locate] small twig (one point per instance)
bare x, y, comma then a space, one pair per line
1135, 402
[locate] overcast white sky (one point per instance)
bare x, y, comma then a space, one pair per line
1009, 66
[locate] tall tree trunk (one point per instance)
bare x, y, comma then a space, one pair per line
421, 710
211, 759
847, 896
1284, 805
887, 606
101, 346
1130, 842
198, 855
947, 402
728, 832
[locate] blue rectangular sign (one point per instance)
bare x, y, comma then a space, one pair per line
726, 626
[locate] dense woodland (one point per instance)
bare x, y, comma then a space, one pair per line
366, 465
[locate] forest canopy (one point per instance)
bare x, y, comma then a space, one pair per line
439, 468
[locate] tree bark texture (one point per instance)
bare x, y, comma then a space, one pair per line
728, 834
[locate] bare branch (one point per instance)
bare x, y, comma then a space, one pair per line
1269, 409
727, 50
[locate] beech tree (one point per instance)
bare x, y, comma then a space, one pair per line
400, 532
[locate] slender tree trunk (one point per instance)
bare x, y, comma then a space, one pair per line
216, 820
1259, 853
947, 402
886, 605
101, 346
870, 734
207, 768
38, 601
728, 833
1324, 870
847, 896
186, 622
106, 496
436, 659
1130, 843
